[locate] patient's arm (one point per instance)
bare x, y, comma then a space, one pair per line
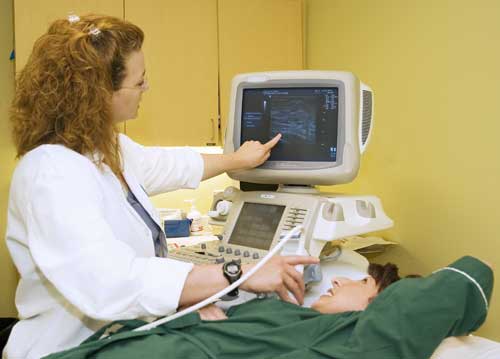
488, 264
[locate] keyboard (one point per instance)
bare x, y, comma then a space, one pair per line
216, 252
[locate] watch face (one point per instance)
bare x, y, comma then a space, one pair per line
233, 268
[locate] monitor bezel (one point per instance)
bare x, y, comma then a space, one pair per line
295, 83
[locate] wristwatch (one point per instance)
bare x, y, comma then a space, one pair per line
232, 272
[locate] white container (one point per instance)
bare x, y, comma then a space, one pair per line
195, 216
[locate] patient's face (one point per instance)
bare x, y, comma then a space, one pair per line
347, 295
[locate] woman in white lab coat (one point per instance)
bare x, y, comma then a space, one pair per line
81, 230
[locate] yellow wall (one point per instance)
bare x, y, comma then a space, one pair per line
203, 194
433, 160
8, 274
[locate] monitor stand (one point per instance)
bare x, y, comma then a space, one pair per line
249, 186
283, 188
300, 189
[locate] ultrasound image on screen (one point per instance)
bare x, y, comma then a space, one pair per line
256, 225
295, 118
307, 118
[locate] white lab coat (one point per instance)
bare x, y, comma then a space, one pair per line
84, 255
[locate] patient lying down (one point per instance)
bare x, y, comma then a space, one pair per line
380, 316
345, 294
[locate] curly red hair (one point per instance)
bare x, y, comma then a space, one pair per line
63, 94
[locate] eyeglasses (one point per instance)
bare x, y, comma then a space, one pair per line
142, 87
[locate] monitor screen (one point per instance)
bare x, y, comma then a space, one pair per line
307, 118
256, 225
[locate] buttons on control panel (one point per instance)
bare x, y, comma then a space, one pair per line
215, 252
294, 217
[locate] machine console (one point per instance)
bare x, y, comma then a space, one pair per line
256, 223
258, 220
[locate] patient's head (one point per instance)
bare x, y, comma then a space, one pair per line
354, 295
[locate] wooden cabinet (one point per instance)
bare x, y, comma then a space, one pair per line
257, 35
192, 49
180, 47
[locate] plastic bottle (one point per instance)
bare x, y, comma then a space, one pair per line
195, 216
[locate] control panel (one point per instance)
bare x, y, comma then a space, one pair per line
256, 223
258, 220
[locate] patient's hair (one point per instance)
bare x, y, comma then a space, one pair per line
386, 274
63, 94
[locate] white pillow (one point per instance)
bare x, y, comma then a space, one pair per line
467, 347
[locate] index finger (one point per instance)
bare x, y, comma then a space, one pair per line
294, 260
272, 142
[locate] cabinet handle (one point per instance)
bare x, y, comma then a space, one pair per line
212, 138
213, 129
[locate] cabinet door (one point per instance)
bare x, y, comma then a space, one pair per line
180, 47
32, 19
257, 35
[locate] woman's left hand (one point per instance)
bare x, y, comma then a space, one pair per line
212, 312
253, 153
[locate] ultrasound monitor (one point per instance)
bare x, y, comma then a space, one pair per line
325, 118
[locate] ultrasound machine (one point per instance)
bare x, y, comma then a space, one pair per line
326, 119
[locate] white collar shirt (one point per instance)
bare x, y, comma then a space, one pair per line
84, 255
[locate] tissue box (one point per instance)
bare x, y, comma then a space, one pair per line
177, 227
